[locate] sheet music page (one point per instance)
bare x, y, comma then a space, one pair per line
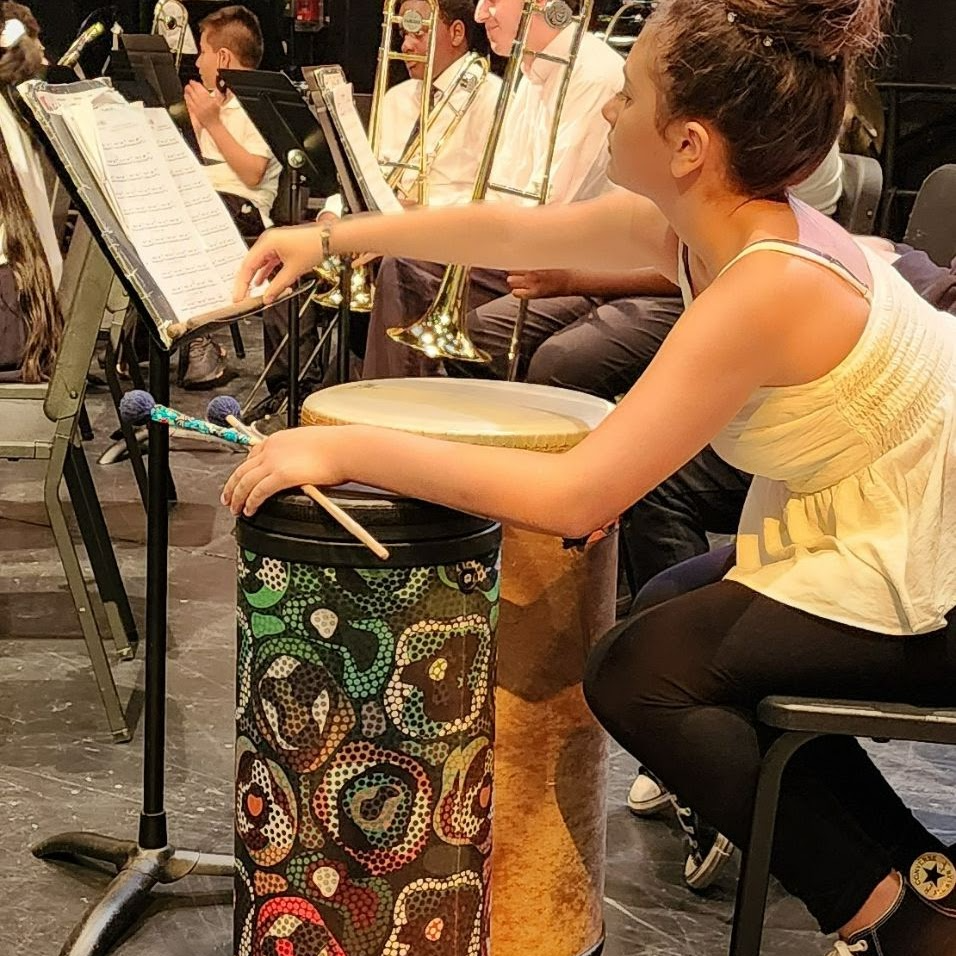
77, 111
154, 214
209, 215
341, 104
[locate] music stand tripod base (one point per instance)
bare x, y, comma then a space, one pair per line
150, 860
138, 871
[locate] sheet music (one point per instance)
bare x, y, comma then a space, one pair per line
158, 215
154, 214
378, 195
77, 110
215, 226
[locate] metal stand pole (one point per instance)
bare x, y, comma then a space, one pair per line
151, 860
295, 160
345, 322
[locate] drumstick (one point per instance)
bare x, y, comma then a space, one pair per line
344, 519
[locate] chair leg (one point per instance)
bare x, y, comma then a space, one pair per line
109, 582
754, 881
128, 431
237, 342
82, 599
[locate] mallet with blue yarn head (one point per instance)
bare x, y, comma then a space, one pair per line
141, 406
138, 407
225, 410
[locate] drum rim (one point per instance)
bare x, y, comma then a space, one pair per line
350, 554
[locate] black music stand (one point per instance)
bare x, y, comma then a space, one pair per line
144, 68
150, 860
303, 138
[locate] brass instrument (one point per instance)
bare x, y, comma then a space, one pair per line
472, 73
419, 156
635, 11
165, 22
411, 22
440, 332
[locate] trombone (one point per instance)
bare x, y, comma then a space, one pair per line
165, 23
411, 22
636, 11
440, 332
472, 73
419, 155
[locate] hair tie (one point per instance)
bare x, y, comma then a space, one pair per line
13, 32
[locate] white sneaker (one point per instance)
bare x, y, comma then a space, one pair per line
647, 795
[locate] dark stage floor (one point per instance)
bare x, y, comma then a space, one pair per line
61, 771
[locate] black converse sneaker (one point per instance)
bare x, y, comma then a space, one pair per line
911, 928
707, 850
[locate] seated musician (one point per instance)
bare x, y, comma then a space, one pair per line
406, 287
845, 577
31, 323
452, 172
240, 164
455, 158
669, 527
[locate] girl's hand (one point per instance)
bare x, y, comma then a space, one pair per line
292, 250
310, 455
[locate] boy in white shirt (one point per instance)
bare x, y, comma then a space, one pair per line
238, 160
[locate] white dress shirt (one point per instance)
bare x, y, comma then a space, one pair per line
452, 175
578, 170
224, 178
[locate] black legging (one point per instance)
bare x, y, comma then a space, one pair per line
678, 686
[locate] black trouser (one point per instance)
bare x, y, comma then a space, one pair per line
670, 523
678, 685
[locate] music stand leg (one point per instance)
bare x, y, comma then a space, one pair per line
151, 859
345, 322
292, 353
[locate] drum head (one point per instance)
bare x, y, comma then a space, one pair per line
536, 417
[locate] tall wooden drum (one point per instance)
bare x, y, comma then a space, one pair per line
550, 760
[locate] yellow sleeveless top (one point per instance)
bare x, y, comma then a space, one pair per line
852, 512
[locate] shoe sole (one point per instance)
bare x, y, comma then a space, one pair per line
220, 379
649, 808
705, 874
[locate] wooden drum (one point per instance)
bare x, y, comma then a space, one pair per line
550, 755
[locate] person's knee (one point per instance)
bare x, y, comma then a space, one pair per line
624, 677
554, 364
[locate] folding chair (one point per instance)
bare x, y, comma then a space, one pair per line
40, 423
802, 720
932, 223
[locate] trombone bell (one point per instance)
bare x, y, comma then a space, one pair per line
439, 333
